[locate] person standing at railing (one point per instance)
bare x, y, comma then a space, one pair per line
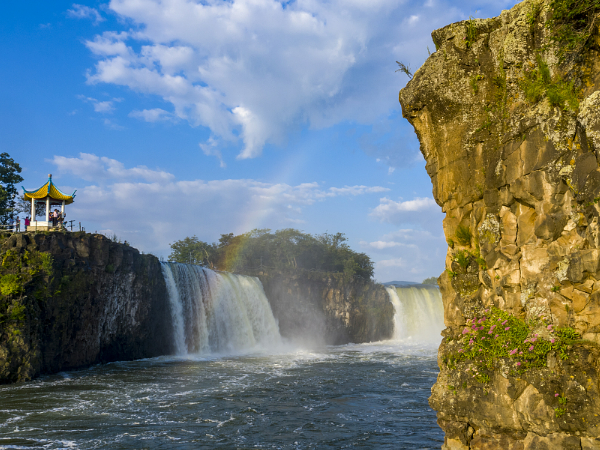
17, 224
27, 223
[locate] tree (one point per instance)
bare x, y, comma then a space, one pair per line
9, 177
191, 250
23, 206
430, 280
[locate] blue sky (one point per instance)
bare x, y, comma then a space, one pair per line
187, 117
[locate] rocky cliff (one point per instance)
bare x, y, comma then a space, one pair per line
69, 300
328, 308
507, 111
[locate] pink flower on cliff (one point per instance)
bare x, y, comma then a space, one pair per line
531, 348
507, 328
465, 331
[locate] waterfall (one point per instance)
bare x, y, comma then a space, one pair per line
418, 312
217, 311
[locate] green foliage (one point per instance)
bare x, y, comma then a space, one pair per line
110, 268
571, 24
451, 243
430, 280
191, 250
9, 177
18, 271
471, 34
497, 335
555, 288
451, 274
473, 83
10, 284
539, 83
558, 412
463, 235
287, 248
532, 15
404, 69
562, 400
463, 258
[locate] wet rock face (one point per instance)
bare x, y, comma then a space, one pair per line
523, 177
327, 308
104, 302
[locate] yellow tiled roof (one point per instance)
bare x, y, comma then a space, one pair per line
48, 190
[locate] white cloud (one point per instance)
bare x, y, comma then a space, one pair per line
85, 12
162, 209
90, 167
408, 254
152, 115
102, 107
421, 210
251, 71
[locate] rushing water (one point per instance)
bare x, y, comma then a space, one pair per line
419, 314
237, 385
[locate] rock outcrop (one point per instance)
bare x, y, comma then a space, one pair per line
71, 300
511, 136
328, 308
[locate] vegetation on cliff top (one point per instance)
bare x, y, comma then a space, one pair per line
287, 248
572, 23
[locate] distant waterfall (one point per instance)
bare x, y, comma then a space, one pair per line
217, 311
418, 312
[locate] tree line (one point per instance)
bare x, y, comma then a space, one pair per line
282, 249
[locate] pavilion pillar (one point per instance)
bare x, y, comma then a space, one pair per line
48, 209
32, 209
62, 209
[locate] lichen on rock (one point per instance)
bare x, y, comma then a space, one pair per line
509, 125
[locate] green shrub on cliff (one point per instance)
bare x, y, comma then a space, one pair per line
18, 273
463, 235
572, 23
497, 336
539, 83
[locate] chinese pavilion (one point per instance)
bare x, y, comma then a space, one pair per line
52, 196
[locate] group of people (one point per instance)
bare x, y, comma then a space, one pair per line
56, 217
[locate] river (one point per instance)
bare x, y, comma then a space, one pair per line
365, 396
237, 384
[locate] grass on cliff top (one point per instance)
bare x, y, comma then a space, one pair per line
572, 23
497, 335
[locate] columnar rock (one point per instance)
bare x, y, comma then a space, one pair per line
510, 130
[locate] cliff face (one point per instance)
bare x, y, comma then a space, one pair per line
511, 136
328, 308
72, 300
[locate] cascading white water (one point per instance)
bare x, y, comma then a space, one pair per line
418, 312
216, 311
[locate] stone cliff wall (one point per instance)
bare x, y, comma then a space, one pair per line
328, 308
511, 136
93, 301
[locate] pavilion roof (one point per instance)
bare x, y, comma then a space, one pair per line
48, 190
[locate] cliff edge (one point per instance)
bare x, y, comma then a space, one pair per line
70, 300
507, 111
